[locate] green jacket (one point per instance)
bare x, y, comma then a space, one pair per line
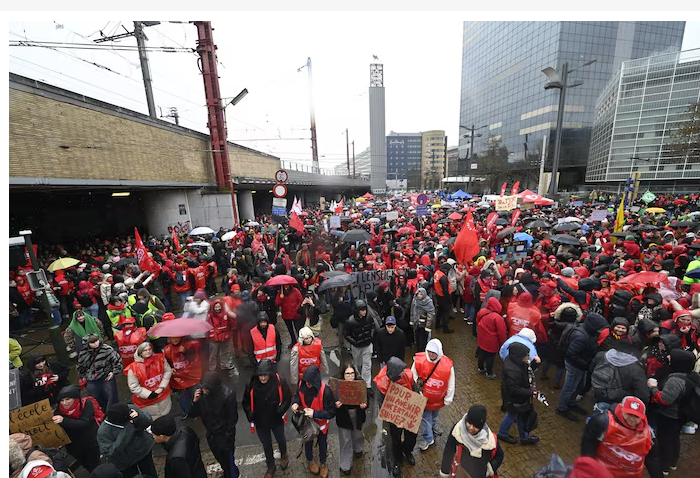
125, 445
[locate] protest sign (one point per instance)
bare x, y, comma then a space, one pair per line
369, 280
335, 222
598, 215
648, 196
392, 216
36, 420
403, 408
577, 203
506, 203
422, 210
349, 392
510, 251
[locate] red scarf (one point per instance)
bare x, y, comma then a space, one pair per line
74, 411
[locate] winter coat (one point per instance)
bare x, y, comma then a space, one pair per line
32, 393
670, 393
583, 344
390, 345
313, 376
289, 304
95, 364
184, 459
125, 445
359, 331
267, 411
158, 409
469, 461
632, 374
343, 417
490, 326
82, 431
219, 412
197, 311
521, 339
74, 343
515, 386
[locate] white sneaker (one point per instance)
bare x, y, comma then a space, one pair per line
673, 468
688, 430
578, 398
424, 446
692, 424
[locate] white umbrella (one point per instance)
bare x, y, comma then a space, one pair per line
228, 236
373, 219
200, 231
252, 224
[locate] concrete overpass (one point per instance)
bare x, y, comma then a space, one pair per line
69, 153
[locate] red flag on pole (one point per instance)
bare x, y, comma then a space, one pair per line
295, 222
467, 243
516, 186
503, 189
339, 208
146, 263
176, 241
491, 220
516, 216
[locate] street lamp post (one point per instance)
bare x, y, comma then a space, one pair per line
471, 153
560, 82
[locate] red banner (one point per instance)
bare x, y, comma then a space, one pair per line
516, 186
503, 189
516, 216
146, 263
491, 220
176, 242
295, 222
339, 208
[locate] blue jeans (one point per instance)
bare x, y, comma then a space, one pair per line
602, 407
185, 397
93, 310
507, 422
104, 391
559, 374
427, 423
470, 312
574, 376
57, 319
26, 316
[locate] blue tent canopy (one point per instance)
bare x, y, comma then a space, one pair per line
461, 194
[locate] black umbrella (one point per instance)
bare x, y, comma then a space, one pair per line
645, 227
501, 222
684, 224
125, 261
503, 213
538, 223
356, 235
566, 239
345, 219
450, 241
506, 232
329, 274
337, 281
622, 234
567, 226
445, 221
483, 206
310, 227
695, 247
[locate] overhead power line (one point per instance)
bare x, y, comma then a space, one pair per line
98, 46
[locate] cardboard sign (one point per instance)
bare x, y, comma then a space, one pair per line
335, 222
369, 280
403, 408
392, 215
598, 215
506, 203
36, 420
349, 392
511, 251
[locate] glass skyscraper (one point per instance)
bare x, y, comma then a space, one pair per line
637, 115
404, 158
503, 84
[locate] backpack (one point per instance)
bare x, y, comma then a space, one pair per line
99, 414
85, 300
607, 383
180, 279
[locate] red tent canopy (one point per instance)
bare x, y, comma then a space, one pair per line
368, 195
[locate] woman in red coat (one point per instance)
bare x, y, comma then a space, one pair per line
490, 335
288, 300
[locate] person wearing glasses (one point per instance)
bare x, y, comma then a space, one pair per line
350, 419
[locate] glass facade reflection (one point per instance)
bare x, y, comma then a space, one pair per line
404, 158
503, 84
636, 117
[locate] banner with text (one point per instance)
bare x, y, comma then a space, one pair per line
403, 408
506, 203
511, 251
369, 280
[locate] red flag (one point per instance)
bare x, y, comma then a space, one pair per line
339, 208
491, 220
516, 186
503, 189
146, 263
467, 243
296, 223
516, 216
176, 241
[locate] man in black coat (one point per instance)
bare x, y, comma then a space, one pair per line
627, 373
390, 341
184, 459
265, 411
216, 404
359, 332
517, 391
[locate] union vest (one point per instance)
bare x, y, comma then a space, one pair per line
435, 388
438, 287
309, 355
382, 381
264, 348
222, 330
186, 373
149, 381
200, 277
317, 405
128, 341
622, 450
181, 288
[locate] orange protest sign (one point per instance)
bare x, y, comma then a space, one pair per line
36, 420
349, 392
403, 408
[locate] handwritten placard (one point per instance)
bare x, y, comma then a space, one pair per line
15, 396
349, 392
36, 420
506, 203
403, 408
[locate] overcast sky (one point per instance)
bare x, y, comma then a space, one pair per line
262, 52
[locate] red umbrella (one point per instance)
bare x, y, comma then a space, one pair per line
179, 327
281, 280
406, 230
455, 216
678, 202
644, 278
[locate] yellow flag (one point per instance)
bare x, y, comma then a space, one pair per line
620, 219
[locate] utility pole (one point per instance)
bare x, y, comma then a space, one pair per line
554, 185
314, 147
540, 183
353, 158
143, 57
472, 130
347, 149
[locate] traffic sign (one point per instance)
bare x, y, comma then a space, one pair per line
281, 176
422, 199
279, 190
280, 202
279, 211
422, 210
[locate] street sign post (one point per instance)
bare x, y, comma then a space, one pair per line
422, 210
279, 211
281, 176
279, 190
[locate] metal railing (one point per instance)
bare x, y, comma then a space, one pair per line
308, 168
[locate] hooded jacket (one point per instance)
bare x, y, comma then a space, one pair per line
218, 410
524, 314
312, 377
434, 345
128, 443
631, 373
670, 393
515, 385
184, 458
607, 338
359, 331
471, 461
490, 326
583, 341
96, 364
266, 410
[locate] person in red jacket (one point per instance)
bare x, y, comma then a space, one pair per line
220, 345
524, 314
128, 339
183, 357
288, 300
682, 326
491, 333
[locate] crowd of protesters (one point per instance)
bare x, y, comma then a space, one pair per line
612, 308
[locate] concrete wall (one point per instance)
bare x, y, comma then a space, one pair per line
162, 211
212, 210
